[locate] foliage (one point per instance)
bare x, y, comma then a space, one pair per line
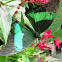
33, 25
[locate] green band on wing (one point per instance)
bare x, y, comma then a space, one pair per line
39, 16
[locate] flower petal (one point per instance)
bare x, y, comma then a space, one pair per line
49, 31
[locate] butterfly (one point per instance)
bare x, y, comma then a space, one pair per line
24, 35
18, 36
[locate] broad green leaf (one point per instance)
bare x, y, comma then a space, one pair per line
3, 58
52, 59
56, 24
59, 56
18, 15
11, 10
5, 22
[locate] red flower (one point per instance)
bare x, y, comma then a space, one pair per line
47, 34
35, 38
33, 45
38, 1
42, 1
57, 42
42, 45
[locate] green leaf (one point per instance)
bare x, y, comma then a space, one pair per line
57, 21
24, 58
1, 35
22, 20
25, 3
1, 47
59, 56
30, 51
18, 17
27, 60
5, 22
3, 58
11, 10
52, 59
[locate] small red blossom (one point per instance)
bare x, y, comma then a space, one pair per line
22, 5
16, 12
42, 45
35, 38
18, 7
57, 42
33, 45
47, 34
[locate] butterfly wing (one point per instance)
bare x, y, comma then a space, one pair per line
18, 42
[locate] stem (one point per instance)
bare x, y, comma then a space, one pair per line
7, 2
2, 6
12, 58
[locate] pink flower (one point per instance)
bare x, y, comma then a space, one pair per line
42, 1
47, 34
41, 60
42, 45
22, 5
38, 1
51, 45
57, 42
